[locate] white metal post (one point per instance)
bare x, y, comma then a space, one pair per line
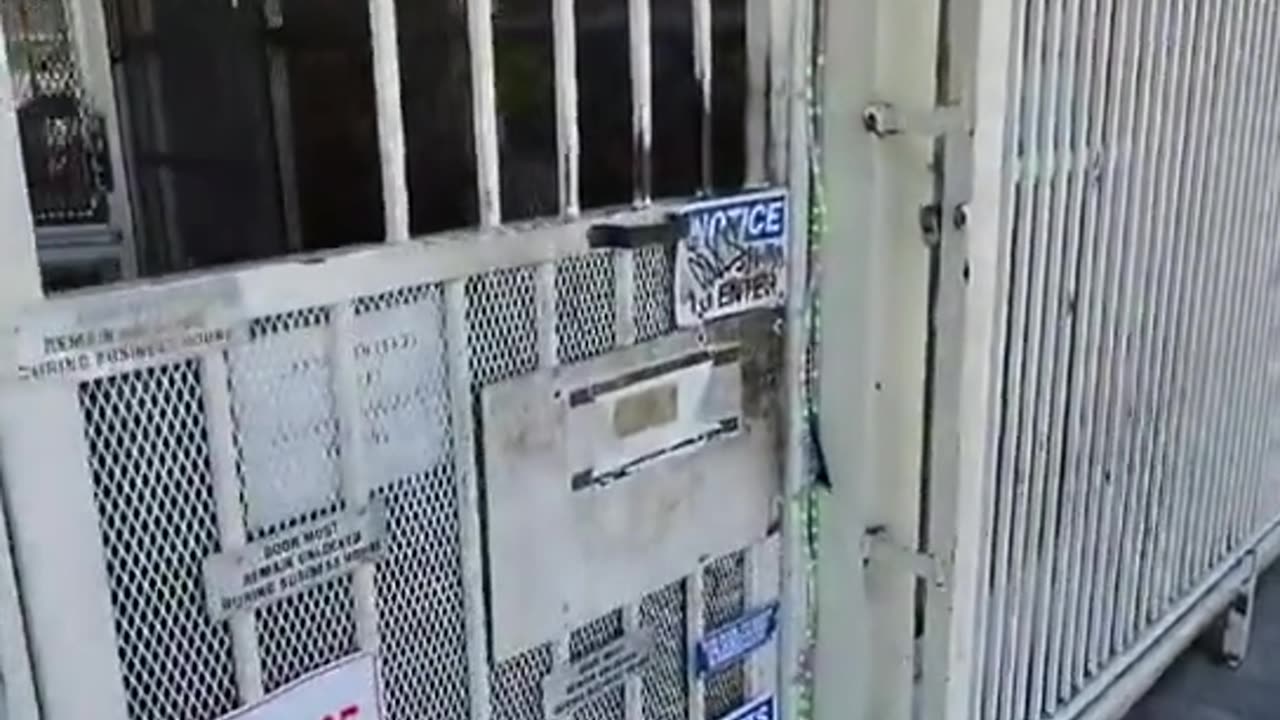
391, 144
873, 291
468, 478
484, 111
968, 316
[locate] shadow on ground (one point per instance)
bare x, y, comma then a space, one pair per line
1197, 687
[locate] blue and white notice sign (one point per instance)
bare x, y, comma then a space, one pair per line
729, 643
762, 708
733, 256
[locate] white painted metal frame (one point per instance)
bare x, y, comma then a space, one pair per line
63, 575
874, 296
1111, 300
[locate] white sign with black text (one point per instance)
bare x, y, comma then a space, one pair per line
346, 690
291, 561
571, 687
733, 256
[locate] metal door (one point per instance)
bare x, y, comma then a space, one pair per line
154, 435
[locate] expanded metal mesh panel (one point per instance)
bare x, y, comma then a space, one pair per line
664, 694
1140, 229
286, 424
306, 632
655, 278
724, 587
586, 310
502, 322
517, 685
610, 704
62, 137
420, 595
150, 464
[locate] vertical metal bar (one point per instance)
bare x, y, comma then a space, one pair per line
1239, 432
794, 566
545, 291
1169, 216
1085, 345
1074, 491
779, 84
19, 265
624, 334
231, 530
640, 35
93, 62
1185, 431
351, 445
19, 286
568, 150
1192, 136
1148, 269
1068, 166
1251, 510
693, 613
1031, 289
1224, 213
702, 71
968, 313
467, 477
1205, 550
1012, 228
484, 111
391, 146
282, 123
759, 15
1118, 257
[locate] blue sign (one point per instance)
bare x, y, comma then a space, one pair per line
762, 708
727, 644
733, 256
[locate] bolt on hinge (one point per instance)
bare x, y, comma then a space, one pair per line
885, 119
878, 547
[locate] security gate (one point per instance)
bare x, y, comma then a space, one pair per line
490, 460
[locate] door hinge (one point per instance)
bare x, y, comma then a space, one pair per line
880, 548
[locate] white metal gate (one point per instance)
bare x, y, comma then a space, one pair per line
145, 428
1063, 216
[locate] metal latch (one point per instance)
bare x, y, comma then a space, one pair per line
885, 119
665, 232
878, 547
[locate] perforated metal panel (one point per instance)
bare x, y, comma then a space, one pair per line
150, 465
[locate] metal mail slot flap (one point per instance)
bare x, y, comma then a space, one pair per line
612, 478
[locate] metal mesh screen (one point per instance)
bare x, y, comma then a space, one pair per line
725, 600
62, 137
664, 694
150, 465
147, 433
655, 314
420, 594
502, 324
585, 309
609, 705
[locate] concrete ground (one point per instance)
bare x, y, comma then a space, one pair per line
1198, 688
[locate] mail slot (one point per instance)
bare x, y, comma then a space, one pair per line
609, 479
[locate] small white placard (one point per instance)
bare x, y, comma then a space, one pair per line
346, 690
733, 257
95, 337
570, 687
289, 562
